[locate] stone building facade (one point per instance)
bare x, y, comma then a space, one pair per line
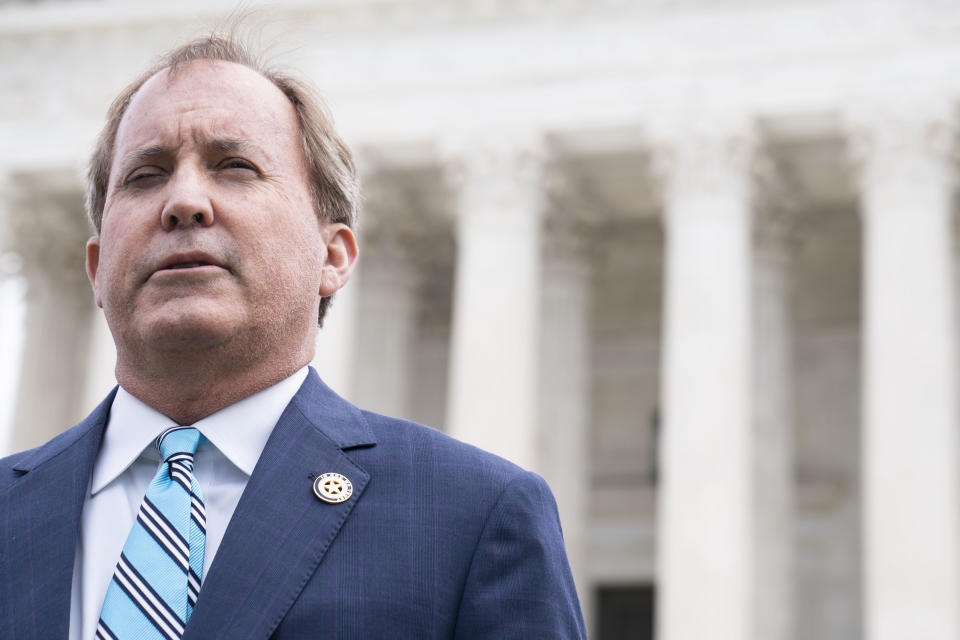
694, 262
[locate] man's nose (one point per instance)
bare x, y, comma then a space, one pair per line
188, 202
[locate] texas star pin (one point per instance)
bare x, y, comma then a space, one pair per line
333, 488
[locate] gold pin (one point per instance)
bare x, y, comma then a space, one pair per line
333, 488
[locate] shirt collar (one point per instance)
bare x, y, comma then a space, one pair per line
239, 431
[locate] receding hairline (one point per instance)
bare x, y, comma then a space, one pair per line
172, 73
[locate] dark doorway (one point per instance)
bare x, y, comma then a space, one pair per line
626, 612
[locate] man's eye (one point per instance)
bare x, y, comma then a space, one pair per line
143, 174
237, 163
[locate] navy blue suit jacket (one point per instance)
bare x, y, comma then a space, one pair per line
440, 539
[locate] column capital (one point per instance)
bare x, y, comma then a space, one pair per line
700, 158
501, 173
48, 228
517, 155
906, 140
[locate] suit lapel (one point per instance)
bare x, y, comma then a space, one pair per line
280, 530
42, 522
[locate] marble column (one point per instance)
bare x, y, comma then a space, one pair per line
565, 387
49, 230
492, 399
705, 502
773, 533
910, 444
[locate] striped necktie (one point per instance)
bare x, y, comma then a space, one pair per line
157, 579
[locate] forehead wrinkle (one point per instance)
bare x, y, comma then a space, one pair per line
219, 131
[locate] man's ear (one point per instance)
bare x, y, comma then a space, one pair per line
342, 255
93, 263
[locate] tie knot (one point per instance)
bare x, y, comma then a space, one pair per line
178, 440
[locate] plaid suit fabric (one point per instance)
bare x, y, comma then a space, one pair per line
41, 497
440, 539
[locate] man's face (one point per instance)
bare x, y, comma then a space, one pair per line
209, 234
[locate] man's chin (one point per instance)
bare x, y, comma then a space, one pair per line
193, 331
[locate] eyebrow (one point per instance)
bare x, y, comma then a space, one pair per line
143, 154
220, 145
228, 145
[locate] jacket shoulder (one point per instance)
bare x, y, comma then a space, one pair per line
15, 465
515, 578
459, 473
421, 441
9, 468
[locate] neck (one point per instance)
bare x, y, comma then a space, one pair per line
187, 387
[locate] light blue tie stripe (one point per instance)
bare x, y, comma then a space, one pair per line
148, 596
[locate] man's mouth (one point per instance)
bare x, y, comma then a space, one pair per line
199, 261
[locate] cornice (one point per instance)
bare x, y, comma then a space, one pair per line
353, 15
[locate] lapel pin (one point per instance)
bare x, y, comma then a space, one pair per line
333, 488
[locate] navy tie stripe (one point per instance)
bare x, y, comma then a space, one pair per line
148, 600
164, 531
197, 512
193, 587
103, 631
157, 580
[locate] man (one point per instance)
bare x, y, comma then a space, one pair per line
224, 204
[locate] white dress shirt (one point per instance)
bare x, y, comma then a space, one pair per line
126, 463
